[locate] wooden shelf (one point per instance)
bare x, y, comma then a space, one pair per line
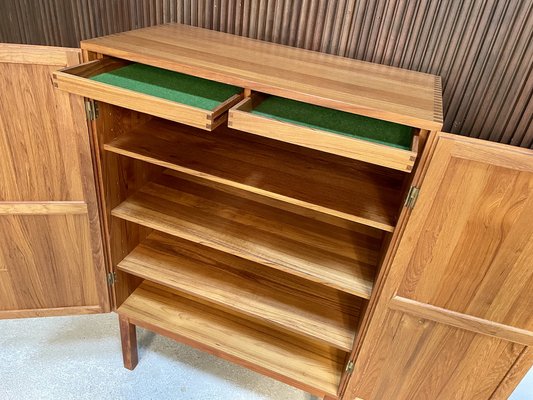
339, 258
271, 297
343, 188
294, 360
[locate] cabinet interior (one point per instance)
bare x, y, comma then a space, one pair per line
247, 236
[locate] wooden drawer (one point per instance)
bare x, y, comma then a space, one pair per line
171, 95
332, 131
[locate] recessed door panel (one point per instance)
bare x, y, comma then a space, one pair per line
46, 260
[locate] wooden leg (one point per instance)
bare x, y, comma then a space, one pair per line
326, 397
128, 336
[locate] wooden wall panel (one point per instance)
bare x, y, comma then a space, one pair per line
483, 49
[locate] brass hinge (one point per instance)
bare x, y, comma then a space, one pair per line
412, 196
349, 367
111, 278
91, 109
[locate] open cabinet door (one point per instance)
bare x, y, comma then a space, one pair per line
454, 316
51, 256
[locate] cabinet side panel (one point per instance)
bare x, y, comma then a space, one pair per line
120, 177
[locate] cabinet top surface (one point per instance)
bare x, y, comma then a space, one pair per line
374, 90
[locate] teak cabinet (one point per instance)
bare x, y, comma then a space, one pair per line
294, 212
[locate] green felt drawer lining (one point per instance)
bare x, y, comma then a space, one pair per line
169, 85
334, 121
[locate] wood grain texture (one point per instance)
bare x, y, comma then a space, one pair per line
246, 289
514, 375
484, 276
118, 178
463, 321
50, 312
51, 246
92, 68
128, 339
392, 94
441, 38
75, 80
43, 138
46, 262
336, 257
279, 204
475, 208
43, 208
345, 189
421, 359
312, 367
242, 119
38, 55
376, 311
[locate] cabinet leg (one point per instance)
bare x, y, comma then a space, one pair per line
128, 337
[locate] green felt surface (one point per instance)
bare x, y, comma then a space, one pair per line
169, 85
335, 121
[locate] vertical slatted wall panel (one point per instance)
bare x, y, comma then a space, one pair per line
483, 49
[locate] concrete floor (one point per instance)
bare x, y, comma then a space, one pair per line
79, 358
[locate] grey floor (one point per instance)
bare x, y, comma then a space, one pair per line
79, 358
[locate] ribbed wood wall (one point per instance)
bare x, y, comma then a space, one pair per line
483, 49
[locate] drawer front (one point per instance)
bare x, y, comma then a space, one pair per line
78, 80
241, 117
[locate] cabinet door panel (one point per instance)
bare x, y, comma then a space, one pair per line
470, 239
51, 252
43, 134
46, 260
428, 360
453, 316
